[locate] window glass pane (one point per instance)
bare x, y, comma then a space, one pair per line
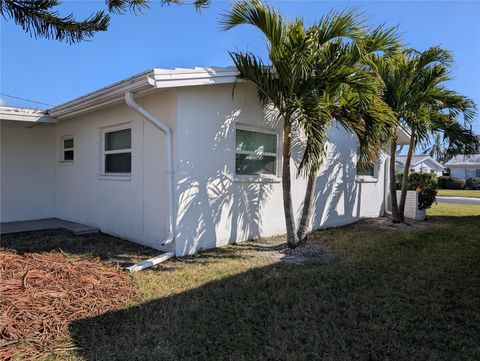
68, 155
68, 143
365, 170
120, 139
256, 142
255, 164
118, 163
469, 173
477, 173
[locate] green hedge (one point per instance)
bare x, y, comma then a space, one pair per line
448, 182
425, 183
473, 183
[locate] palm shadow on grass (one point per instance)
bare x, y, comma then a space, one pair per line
399, 297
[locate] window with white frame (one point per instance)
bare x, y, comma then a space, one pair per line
469, 173
366, 170
256, 152
117, 151
67, 149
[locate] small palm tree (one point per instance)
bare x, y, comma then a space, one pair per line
313, 77
415, 90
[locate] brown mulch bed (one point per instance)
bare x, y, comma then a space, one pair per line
41, 294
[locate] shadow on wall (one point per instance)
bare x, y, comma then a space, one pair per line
214, 209
337, 200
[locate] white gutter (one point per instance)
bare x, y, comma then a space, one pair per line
386, 185
169, 142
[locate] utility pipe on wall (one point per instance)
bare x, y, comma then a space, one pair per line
169, 143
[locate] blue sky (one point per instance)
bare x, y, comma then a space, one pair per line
177, 36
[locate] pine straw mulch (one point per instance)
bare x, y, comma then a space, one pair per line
41, 294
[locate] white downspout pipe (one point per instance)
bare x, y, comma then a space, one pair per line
171, 219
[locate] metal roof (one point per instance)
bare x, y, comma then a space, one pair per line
416, 159
464, 160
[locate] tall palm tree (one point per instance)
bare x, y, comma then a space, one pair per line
436, 149
313, 76
415, 90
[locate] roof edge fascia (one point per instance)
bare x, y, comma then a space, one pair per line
103, 96
143, 83
25, 115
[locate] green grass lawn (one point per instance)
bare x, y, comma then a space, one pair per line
459, 193
396, 294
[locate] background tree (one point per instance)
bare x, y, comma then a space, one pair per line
39, 19
415, 89
309, 70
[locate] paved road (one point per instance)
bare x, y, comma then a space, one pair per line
458, 200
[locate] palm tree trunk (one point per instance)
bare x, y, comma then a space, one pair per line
393, 187
292, 239
307, 208
406, 173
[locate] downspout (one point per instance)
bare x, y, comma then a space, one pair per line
386, 187
130, 101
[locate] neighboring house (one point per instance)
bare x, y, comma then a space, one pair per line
174, 159
420, 163
463, 166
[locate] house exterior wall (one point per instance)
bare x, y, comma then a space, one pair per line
132, 207
216, 207
425, 166
27, 172
461, 172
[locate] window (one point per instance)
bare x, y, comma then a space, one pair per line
256, 152
469, 173
67, 149
366, 170
117, 152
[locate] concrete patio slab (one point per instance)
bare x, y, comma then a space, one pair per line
44, 224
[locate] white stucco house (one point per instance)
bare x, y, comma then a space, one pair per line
464, 166
420, 163
173, 159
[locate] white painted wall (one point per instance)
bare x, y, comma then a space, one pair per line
132, 207
423, 167
27, 172
216, 208
461, 171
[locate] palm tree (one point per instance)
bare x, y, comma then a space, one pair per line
313, 76
436, 149
415, 90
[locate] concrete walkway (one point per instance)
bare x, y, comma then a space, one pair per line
458, 200
44, 224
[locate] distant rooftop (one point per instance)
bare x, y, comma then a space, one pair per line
464, 160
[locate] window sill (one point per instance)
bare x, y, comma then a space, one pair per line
366, 179
116, 177
238, 178
66, 162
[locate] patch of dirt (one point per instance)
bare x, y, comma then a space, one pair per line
386, 223
41, 294
277, 248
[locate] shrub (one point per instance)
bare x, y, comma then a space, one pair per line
473, 183
448, 182
425, 183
